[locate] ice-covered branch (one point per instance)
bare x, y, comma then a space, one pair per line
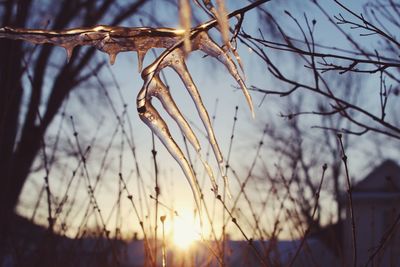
115, 39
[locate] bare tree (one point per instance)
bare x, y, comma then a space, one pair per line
22, 124
377, 61
337, 104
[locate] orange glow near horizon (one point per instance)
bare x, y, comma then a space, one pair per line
184, 230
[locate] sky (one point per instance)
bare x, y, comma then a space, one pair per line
220, 95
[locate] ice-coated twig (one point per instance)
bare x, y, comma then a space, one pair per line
157, 89
208, 46
176, 60
109, 39
115, 39
150, 116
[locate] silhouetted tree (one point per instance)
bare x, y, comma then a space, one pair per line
23, 89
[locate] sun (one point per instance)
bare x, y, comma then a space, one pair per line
185, 231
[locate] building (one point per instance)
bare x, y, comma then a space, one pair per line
376, 205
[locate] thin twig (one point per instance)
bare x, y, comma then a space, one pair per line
350, 197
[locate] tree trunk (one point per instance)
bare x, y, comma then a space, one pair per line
10, 100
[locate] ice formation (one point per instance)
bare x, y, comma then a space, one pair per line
113, 40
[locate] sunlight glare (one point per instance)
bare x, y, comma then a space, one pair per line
186, 231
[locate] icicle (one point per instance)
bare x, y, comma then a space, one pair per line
149, 115
247, 95
112, 56
175, 60
210, 174
222, 17
239, 61
69, 50
226, 184
223, 21
206, 44
157, 89
233, 44
185, 17
140, 55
